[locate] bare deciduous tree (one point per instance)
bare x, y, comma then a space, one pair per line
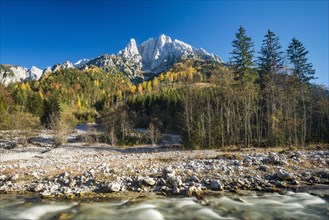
154, 132
60, 126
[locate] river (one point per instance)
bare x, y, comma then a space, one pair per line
251, 206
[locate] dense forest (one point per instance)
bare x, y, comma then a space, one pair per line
256, 99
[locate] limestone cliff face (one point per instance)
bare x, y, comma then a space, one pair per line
9, 73
159, 54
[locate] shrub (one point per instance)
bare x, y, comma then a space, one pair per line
61, 125
22, 121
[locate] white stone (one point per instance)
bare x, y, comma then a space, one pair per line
284, 175
114, 187
149, 181
3, 177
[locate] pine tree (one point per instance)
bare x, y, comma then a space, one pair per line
51, 107
243, 52
34, 104
297, 58
271, 58
270, 63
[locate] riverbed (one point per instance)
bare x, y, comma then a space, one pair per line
87, 180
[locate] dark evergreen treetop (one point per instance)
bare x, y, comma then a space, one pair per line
271, 56
297, 58
243, 51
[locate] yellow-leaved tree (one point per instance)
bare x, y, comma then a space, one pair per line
140, 89
149, 86
155, 83
133, 89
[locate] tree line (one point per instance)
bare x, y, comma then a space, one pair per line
266, 100
263, 100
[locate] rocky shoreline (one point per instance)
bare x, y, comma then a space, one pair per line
82, 170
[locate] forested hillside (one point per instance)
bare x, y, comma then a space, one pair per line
251, 101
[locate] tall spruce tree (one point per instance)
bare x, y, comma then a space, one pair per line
270, 60
243, 52
297, 58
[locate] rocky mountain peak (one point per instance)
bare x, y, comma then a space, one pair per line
34, 68
65, 65
81, 62
130, 50
131, 54
163, 40
11, 74
157, 55
35, 72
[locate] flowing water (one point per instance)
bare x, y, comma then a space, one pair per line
252, 206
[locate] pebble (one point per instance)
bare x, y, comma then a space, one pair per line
247, 161
35, 175
264, 168
162, 181
295, 182
176, 190
114, 187
149, 181
191, 190
178, 181
275, 159
15, 177
195, 179
54, 188
3, 178
169, 172
39, 187
66, 190
216, 185
284, 175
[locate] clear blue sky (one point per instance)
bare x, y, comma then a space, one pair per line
43, 33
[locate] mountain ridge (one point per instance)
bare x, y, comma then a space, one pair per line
143, 61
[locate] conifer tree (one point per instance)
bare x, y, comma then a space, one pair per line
297, 58
270, 63
271, 57
34, 104
243, 52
